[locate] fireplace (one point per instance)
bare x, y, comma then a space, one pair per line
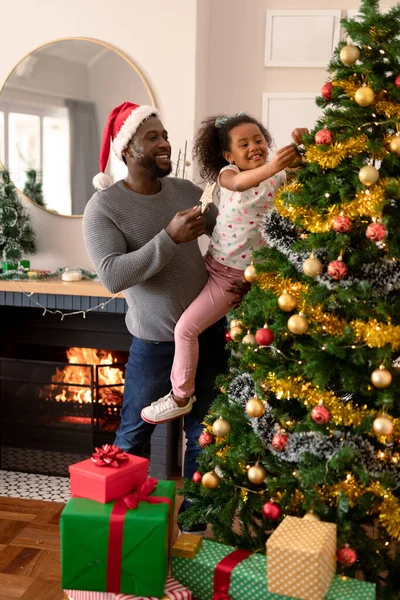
61, 391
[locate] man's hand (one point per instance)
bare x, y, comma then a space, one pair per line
297, 134
240, 289
186, 225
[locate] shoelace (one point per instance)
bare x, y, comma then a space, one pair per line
165, 405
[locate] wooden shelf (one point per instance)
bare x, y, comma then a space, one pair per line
58, 287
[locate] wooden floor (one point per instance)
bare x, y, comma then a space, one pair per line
30, 549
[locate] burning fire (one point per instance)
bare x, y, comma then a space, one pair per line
81, 375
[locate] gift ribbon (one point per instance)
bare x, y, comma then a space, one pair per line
116, 531
109, 456
223, 572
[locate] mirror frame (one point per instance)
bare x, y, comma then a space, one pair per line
82, 39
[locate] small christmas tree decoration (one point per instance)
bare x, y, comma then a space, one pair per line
279, 441
287, 302
310, 516
205, 439
364, 96
324, 136
197, 477
265, 336
235, 323
349, 54
255, 408
221, 428
337, 269
257, 474
210, 480
383, 425
320, 414
346, 556
249, 339
312, 266
376, 232
33, 188
228, 337
298, 161
250, 274
395, 145
381, 378
368, 175
397, 81
271, 510
326, 91
236, 332
297, 324
341, 224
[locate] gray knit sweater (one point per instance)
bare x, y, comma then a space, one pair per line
126, 240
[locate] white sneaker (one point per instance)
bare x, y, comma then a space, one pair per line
165, 409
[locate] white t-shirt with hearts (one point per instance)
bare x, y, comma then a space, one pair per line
237, 230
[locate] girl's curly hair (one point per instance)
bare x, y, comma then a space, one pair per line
212, 141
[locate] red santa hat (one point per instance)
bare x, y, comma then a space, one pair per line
121, 126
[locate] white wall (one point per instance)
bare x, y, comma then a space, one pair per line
159, 36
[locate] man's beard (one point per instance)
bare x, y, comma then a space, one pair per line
150, 164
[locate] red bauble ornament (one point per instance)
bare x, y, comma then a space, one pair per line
324, 136
265, 336
397, 81
376, 232
228, 337
337, 269
320, 415
279, 441
341, 224
197, 477
326, 91
205, 439
272, 511
346, 556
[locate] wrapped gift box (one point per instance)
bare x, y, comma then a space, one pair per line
187, 545
309, 547
107, 483
344, 588
173, 591
111, 548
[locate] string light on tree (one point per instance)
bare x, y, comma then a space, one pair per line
221, 427
349, 54
381, 378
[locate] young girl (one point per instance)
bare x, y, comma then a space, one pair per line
233, 152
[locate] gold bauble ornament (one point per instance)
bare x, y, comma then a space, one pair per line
395, 145
383, 425
210, 480
287, 302
349, 54
236, 332
250, 273
368, 175
249, 339
381, 378
312, 266
235, 323
257, 474
255, 408
310, 516
298, 324
221, 427
364, 96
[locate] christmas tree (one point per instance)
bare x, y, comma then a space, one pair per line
33, 188
17, 237
308, 419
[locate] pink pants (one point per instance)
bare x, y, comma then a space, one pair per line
213, 303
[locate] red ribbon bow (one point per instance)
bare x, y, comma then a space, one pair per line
143, 494
109, 456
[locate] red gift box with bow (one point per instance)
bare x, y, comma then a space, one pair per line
109, 474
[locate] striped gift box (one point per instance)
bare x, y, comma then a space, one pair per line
173, 591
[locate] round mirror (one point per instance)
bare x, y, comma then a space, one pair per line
53, 108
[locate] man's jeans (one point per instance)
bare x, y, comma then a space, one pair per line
147, 378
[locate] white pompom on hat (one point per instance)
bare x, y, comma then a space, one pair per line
121, 126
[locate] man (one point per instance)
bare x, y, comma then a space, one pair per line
141, 235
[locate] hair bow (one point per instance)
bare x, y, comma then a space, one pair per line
220, 121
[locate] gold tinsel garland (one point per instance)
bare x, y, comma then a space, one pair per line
350, 86
386, 107
367, 203
338, 151
372, 333
348, 415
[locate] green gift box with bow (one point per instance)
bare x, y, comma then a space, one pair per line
248, 579
119, 547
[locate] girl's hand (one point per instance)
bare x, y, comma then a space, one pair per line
297, 134
283, 158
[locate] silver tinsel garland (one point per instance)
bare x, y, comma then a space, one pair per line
280, 233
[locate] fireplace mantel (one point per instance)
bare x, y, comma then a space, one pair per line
58, 287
